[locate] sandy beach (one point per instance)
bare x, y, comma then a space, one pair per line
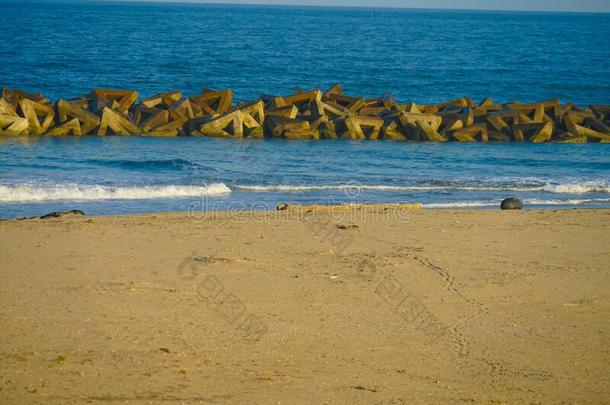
372, 305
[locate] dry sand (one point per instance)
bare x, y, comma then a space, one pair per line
388, 307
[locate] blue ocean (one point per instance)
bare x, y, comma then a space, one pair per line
63, 49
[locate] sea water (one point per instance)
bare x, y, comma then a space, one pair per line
64, 49
104, 175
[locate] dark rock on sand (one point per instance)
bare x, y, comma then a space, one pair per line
511, 204
57, 214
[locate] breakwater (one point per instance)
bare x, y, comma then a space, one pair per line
303, 115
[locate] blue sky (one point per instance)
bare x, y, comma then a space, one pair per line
528, 5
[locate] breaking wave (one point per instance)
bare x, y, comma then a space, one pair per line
578, 188
526, 202
75, 192
568, 188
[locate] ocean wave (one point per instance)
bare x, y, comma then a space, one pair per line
537, 201
91, 193
289, 188
577, 188
568, 188
526, 202
178, 164
461, 204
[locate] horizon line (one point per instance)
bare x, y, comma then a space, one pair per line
385, 7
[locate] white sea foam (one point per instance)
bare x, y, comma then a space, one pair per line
526, 202
578, 188
568, 188
537, 201
74, 192
461, 204
288, 188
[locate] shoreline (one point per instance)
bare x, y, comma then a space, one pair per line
301, 211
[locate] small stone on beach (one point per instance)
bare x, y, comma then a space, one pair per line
511, 204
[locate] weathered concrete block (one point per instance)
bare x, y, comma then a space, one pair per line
256, 110
148, 118
120, 100
421, 126
501, 121
277, 125
434, 121
428, 133
162, 100
117, 122
272, 102
182, 111
256, 132
472, 133
602, 112
357, 127
485, 106
229, 125
288, 111
157, 119
170, 129
410, 108
530, 116
39, 116
85, 102
336, 89
316, 107
460, 102
576, 118
591, 134
568, 137
353, 104
392, 131
543, 134
334, 110
71, 127
327, 130
534, 132
7, 108
14, 96
303, 97
214, 102
67, 110
253, 116
428, 109
498, 136
598, 125
387, 100
451, 124
465, 115
301, 134
527, 113
372, 111
552, 110
12, 125
315, 123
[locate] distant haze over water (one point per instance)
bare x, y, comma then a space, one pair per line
511, 5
